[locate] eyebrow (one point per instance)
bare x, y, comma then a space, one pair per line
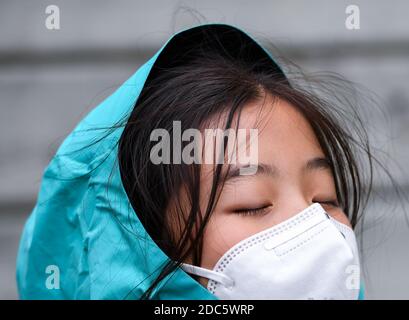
317, 163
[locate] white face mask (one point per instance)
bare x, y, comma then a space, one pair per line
309, 256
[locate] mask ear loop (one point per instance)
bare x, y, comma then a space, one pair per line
208, 274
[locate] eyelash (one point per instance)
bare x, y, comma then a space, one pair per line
261, 210
333, 203
252, 211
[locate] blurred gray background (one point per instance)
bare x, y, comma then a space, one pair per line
49, 79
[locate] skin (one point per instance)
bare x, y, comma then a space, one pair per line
293, 174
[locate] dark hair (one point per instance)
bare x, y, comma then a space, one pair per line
207, 85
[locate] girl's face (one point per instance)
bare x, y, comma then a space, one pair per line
292, 174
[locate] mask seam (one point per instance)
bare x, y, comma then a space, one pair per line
304, 241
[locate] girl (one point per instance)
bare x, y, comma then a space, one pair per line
117, 217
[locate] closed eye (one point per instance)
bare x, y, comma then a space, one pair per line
332, 203
253, 211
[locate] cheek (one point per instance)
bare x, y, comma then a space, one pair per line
222, 233
340, 216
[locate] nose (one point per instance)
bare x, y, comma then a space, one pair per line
291, 205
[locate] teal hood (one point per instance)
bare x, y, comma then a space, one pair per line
83, 240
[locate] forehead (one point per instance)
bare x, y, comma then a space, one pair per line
285, 137
275, 118
284, 130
